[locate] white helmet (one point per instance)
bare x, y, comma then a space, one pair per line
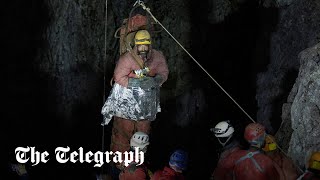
223, 129
139, 139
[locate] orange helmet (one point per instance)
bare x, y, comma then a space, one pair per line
314, 161
270, 144
255, 134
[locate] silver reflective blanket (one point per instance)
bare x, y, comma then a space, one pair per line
131, 103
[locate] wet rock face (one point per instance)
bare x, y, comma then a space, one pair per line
294, 34
305, 107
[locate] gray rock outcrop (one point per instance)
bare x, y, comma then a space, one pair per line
305, 107
293, 34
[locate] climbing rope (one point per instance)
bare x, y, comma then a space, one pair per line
105, 52
141, 3
289, 157
104, 74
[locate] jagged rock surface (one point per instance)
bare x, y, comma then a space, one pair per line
294, 34
305, 107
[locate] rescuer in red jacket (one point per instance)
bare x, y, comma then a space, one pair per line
313, 168
177, 164
249, 164
134, 171
284, 165
224, 132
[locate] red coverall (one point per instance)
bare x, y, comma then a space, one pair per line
133, 172
247, 165
123, 129
223, 156
308, 175
284, 165
167, 174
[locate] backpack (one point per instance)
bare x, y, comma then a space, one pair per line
128, 30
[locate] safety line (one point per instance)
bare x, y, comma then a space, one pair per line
140, 3
104, 76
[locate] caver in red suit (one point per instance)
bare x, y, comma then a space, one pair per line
224, 133
167, 174
135, 170
309, 175
133, 102
284, 165
313, 168
252, 163
177, 164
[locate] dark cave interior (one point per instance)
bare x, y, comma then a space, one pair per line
233, 52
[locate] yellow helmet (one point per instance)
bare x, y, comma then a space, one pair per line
142, 37
270, 144
314, 162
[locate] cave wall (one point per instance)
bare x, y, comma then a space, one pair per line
287, 92
304, 106
72, 61
23, 101
297, 29
276, 3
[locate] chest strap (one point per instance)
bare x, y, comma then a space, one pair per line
250, 156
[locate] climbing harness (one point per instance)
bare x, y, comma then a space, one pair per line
250, 156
